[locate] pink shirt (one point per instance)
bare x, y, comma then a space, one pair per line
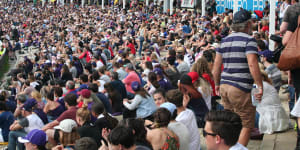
131, 77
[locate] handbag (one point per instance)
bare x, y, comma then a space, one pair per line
290, 56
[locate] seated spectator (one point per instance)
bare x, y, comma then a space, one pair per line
21, 99
121, 72
140, 132
159, 97
131, 77
272, 116
96, 80
142, 102
38, 97
163, 82
58, 94
170, 70
118, 84
65, 133
104, 120
202, 68
70, 86
271, 69
83, 80
147, 67
53, 109
66, 75
70, 113
120, 138
87, 129
177, 127
84, 99
115, 99
85, 143
6, 119
182, 67
160, 136
34, 140
102, 98
152, 83
202, 87
9, 101
195, 100
102, 74
23, 126
185, 116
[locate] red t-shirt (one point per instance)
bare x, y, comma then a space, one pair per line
87, 55
216, 32
68, 114
265, 28
132, 48
131, 77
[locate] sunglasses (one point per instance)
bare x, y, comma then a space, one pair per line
206, 133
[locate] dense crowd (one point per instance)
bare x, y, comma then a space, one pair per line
135, 78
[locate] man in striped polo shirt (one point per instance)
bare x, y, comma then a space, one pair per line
238, 54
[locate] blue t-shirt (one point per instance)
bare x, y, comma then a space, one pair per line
105, 102
6, 119
186, 29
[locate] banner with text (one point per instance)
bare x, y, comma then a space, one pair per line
187, 3
246, 4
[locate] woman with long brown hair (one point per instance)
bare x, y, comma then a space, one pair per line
160, 136
193, 99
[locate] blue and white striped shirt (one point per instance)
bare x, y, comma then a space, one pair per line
234, 49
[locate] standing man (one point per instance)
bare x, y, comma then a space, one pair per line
288, 26
238, 54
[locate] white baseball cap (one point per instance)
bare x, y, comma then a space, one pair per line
66, 125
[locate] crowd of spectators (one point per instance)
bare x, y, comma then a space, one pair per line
100, 74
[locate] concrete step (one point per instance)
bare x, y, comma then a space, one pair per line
280, 141
283, 140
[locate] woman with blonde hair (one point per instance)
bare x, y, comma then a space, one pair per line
86, 128
201, 67
203, 87
38, 97
142, 33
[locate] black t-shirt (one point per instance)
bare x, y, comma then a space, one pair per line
291, 16
89, 130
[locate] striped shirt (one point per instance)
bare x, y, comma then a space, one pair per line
234, 50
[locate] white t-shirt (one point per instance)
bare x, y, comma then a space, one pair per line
296, 110
31, 122
187, 117
101, 87
238, 146
99, 64
183, 134
207, 98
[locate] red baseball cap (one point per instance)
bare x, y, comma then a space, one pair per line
85, 93
194, 76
